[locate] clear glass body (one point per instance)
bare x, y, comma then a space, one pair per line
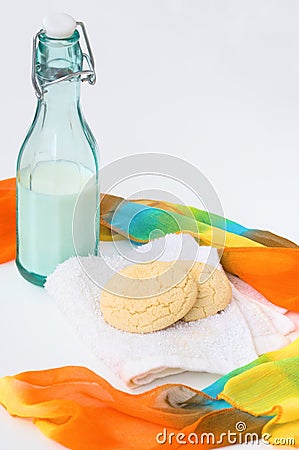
57, 165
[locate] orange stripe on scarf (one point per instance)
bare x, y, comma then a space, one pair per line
7, 220
80, 410
274, 272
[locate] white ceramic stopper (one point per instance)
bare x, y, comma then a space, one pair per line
59, 25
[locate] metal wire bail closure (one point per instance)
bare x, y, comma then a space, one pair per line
86, 75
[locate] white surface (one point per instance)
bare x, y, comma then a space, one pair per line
59, 25
211, 81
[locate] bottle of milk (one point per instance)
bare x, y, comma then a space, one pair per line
57, 168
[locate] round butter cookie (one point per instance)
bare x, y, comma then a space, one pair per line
213, 295
143, 298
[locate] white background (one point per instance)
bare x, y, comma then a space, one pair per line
213, 82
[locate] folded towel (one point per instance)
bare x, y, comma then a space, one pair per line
266, 334
217, 344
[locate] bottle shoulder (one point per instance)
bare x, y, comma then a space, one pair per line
59, 136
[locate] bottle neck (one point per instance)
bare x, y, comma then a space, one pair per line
56, 59
62, 98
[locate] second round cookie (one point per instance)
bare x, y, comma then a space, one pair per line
214, 292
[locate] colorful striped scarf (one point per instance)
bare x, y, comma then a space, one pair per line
80, 410
264, 260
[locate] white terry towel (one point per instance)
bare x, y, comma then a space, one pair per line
217, 344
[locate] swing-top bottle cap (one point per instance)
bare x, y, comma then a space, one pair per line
59, 25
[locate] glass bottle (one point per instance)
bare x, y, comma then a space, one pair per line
58, 161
